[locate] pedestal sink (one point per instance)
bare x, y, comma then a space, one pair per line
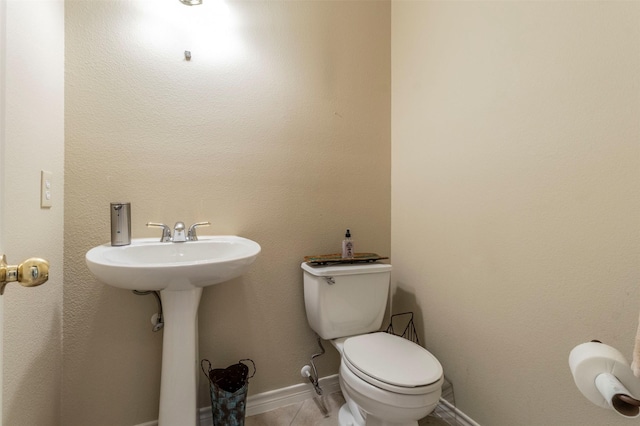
179, 271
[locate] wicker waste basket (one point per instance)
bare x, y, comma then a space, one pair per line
228, 388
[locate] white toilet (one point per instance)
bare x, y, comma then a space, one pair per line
385, 379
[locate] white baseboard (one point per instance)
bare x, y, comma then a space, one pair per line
267, 401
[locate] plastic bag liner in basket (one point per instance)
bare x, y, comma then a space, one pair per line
228, 388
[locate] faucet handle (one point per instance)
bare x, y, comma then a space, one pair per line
192, 235
166, 231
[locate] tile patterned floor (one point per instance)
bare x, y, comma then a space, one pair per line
308, 413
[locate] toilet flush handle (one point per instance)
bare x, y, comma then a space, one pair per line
330, 280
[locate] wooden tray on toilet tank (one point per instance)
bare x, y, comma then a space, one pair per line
328, 259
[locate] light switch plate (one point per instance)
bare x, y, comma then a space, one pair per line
46, 180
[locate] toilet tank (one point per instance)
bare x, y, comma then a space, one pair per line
345, 300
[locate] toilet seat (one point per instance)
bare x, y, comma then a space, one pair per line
392, 363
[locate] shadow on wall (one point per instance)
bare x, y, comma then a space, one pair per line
404, 301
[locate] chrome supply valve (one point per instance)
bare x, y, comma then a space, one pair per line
191, 234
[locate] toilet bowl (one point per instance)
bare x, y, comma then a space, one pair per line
386, 380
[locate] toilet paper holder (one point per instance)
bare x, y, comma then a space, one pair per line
604, 377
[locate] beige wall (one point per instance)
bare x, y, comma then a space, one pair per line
515, 194
33, 136
277, 130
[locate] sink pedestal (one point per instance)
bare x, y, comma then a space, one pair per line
179, 379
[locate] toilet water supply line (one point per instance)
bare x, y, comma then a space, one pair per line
157, 319
313, 377
311, 372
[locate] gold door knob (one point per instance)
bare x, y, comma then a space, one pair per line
30, 273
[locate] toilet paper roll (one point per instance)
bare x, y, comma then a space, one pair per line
589, 360
617, 396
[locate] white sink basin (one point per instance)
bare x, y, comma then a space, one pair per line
148, 264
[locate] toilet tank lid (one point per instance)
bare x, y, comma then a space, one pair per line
350, 269
392, 359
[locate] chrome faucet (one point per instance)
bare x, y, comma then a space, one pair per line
178, 231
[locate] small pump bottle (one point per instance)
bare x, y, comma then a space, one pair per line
347, 246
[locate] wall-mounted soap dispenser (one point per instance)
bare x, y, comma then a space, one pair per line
120, 224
